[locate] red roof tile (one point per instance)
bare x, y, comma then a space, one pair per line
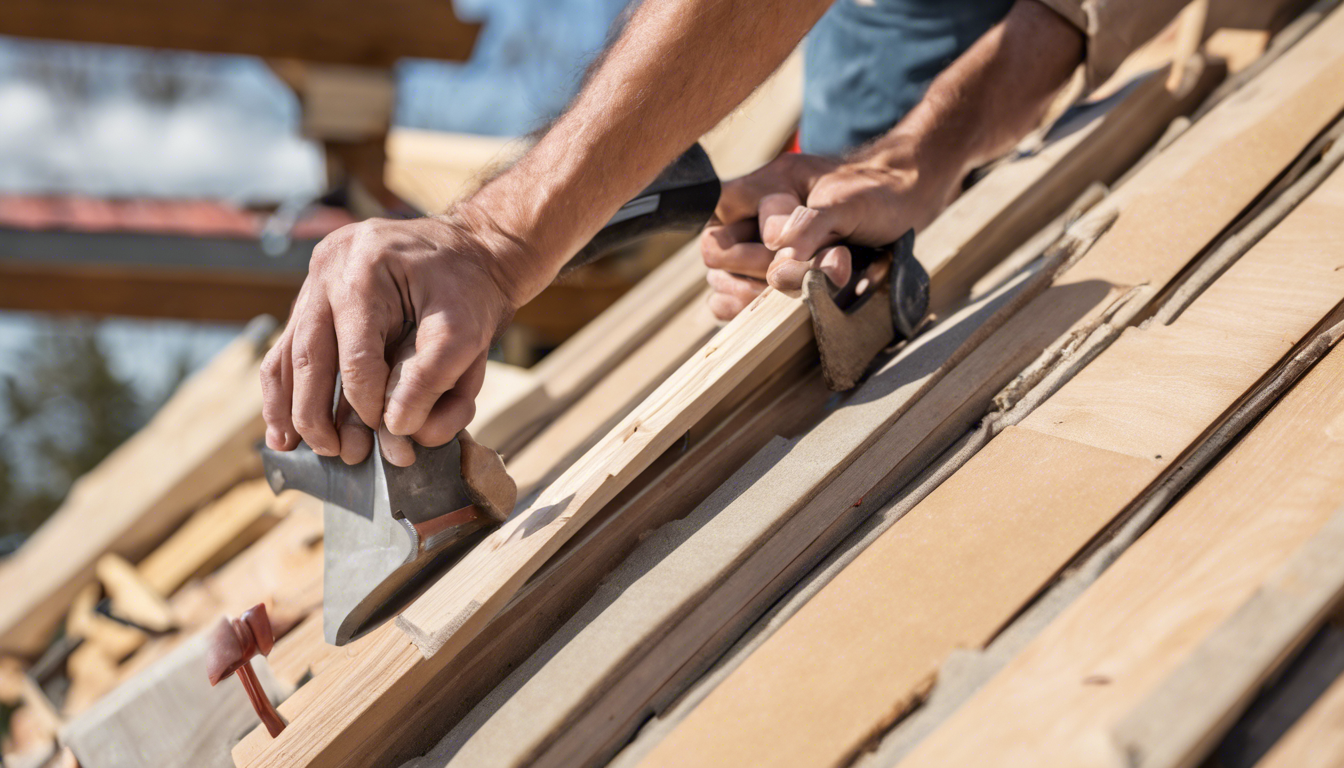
193, 218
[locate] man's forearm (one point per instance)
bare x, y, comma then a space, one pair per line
677, 68
990, 98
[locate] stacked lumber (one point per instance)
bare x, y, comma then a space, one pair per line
1090, 516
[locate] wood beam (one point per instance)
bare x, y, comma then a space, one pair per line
1110, 660
199, 444
328, 31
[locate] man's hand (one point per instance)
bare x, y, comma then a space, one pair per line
771, 224
405, 311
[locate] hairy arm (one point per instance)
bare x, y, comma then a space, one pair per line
406, 311
775, 221
675, 71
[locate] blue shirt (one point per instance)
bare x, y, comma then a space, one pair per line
868, 62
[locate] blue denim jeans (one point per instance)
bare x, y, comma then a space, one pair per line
868, 62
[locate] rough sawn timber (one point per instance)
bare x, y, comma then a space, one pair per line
774, 328
457, 606
1179, 722
567, 437
766, 712
199, 444
1094, 667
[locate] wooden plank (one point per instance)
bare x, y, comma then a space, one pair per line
349, 32
200, 443
592, 690
748, 138
587, 356
964, 561
511, 400
442, 610
213, 535
429, 695
302, 651
1179, 722
1315, 741
546, 707
167, 716
1165, 596
132, 597
593, 415
458, 605
433, 169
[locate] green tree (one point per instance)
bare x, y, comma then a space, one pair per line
68, 410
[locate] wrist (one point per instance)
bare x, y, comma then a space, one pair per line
931, 171
511, 261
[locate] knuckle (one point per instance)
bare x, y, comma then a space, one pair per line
306, 423
302, 361
272, 366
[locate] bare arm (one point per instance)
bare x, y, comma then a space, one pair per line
677, 68
775, 221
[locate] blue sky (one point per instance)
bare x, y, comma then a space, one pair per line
233, 134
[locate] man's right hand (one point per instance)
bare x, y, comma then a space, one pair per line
772, 225
405, 311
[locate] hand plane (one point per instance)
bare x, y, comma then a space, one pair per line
389, 529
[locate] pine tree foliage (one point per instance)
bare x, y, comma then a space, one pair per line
67, 411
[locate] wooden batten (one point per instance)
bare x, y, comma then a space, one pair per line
593, 415
1085, 687
198, 445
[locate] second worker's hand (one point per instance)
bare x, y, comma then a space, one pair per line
773, 225
405, 311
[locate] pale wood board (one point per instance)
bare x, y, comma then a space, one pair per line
132, 597
511, 399
428, 695
685, 586
583, 423
584, 358
574, 684
1316, 740
830, 679
459, 605
199, 444
1169, 592
213, 535
168, 716
1181, 720
433, 169
773, 328
301, 651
